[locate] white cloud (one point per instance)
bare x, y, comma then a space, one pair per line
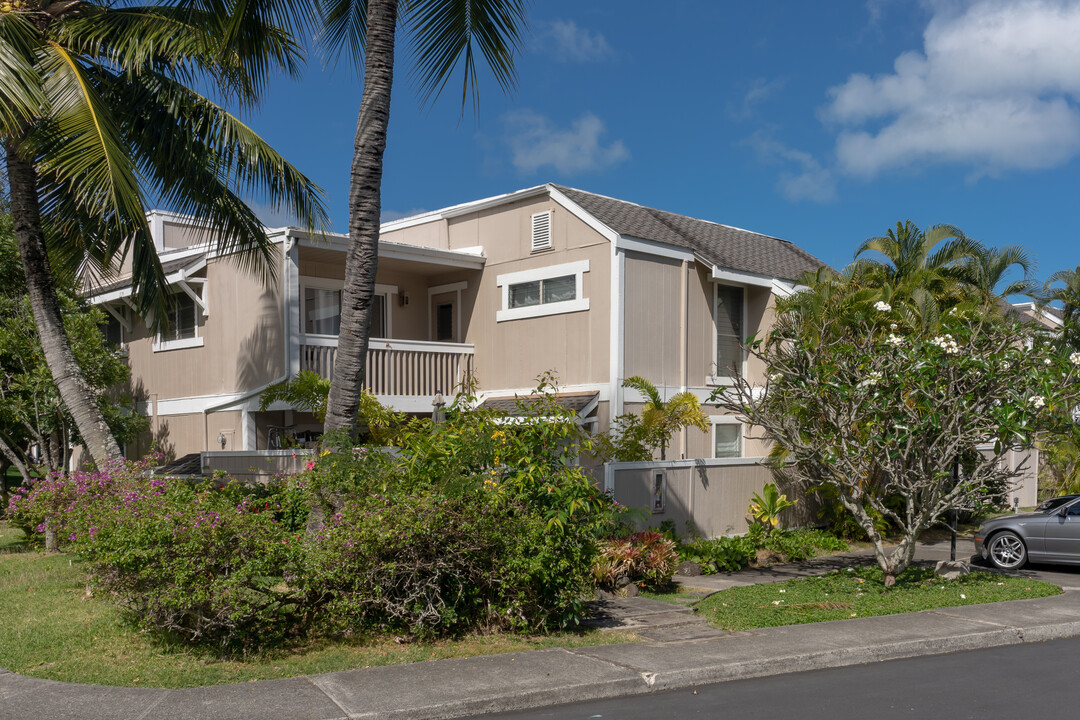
567, 42
995, 87
803, 178
535, 143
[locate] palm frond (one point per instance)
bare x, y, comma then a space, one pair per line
344, 30
445, 32
21, 95
646, 388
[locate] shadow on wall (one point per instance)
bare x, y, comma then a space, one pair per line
260, 359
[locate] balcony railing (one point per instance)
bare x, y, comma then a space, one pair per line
398, 367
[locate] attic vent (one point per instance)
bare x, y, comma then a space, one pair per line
541, 231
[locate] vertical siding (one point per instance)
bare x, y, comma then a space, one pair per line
654, 318
707, 500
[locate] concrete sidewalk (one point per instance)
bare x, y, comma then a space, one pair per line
676, 651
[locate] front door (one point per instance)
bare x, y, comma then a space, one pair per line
444, 320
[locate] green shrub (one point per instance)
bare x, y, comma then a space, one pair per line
477, 523
722, 554
798, 545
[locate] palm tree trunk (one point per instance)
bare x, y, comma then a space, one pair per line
365, 200
73, 388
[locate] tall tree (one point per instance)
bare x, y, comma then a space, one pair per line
443, 33
97, 113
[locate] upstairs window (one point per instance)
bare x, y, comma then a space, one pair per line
320, 309
541, 231
543, 291
728, 312
113, 330
182, 328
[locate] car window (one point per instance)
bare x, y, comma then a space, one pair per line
1074, 509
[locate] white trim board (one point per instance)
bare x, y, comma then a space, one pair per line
689, 463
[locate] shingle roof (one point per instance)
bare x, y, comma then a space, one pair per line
512, 404
725, 247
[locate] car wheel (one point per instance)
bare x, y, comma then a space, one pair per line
1007, 551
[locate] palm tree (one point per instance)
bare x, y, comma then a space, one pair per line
97, 113
662, 419
1068, 294
912, 262
442, 32
985, 272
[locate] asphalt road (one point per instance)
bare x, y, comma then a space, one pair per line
1037, 680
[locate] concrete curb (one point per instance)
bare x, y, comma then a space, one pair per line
542, 678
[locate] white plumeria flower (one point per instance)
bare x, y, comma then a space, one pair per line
1074, 358
1037, 401
872, 378
882, 306
893, 326
895, 340
1048, 361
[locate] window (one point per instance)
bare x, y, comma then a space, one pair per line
543, 291
320, 309
727, 440
182, 327
541, 231
729, 311
378, 317
113, 329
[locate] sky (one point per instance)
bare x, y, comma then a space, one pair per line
822, 123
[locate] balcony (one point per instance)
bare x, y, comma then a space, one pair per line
397, 367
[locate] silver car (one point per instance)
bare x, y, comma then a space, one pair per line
1049, 536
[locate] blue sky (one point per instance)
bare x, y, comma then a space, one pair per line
822, 123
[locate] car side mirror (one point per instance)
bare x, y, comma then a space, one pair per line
1063, 511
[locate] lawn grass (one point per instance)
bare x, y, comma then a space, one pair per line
50, 628
859, 592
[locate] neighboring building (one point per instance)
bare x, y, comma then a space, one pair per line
544, 279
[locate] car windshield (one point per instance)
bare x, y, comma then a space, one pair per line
1054, 503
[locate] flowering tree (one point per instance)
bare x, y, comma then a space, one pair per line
854, 402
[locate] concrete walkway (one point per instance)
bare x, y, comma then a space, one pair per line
676, 650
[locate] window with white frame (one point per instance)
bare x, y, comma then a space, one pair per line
181, 329
320, 308
729, 315
544, 291
727, 438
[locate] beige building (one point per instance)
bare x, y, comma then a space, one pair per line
544, 279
